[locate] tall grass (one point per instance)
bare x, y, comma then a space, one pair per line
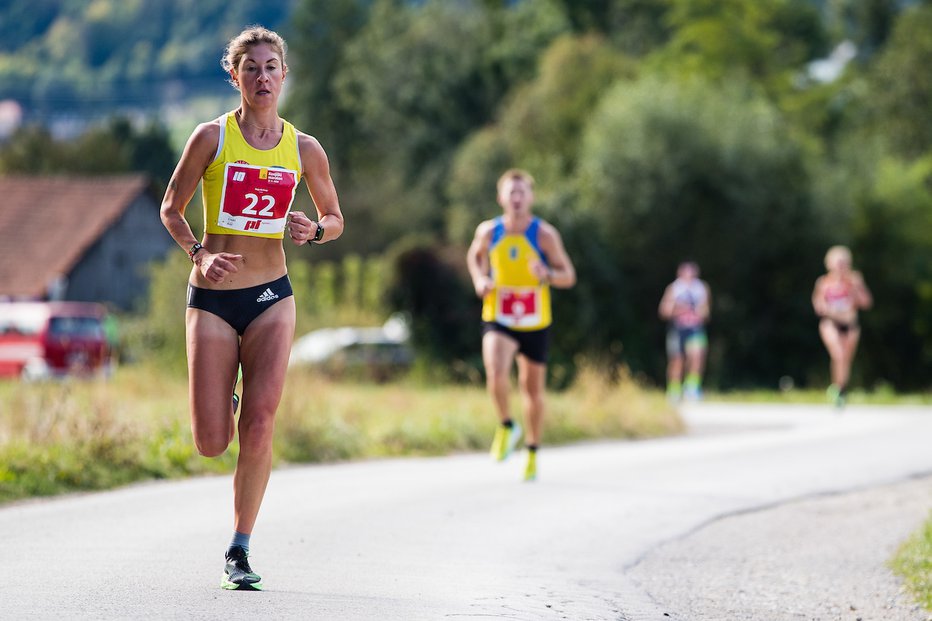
59, 437
87, 435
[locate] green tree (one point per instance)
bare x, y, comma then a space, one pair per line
31, 149
539, 129
408, 76
418, 79
635, 26
544, 119
867, 23
324, 29
111, 148
765, 42
673, 171
476, 167
891, 233
900, 85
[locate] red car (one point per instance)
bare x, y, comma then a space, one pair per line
52, 339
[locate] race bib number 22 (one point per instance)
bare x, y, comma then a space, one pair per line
256, 198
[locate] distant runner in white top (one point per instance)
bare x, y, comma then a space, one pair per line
685, 304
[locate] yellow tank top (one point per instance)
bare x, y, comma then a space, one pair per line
519, 301
248, 191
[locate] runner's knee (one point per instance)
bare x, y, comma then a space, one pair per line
256, 430
534, 398
496, 374
211, 444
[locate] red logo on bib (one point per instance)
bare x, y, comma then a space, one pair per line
519, 304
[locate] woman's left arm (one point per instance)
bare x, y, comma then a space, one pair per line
320, 185
863, 297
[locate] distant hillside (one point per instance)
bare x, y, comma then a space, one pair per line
93, 57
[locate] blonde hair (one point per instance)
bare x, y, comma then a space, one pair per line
837, 252
248, 38
515, 173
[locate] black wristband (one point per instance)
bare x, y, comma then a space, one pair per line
319, 233
194, 250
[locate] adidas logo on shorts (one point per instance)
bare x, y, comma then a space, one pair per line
267, 296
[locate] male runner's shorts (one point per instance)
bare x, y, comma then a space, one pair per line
681, 339
531, 343
239, 307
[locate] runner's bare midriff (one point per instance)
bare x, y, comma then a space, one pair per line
844, 317
263, 260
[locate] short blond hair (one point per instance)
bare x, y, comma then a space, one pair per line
515, 173
837, 252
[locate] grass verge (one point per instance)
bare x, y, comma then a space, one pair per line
75, 435
913, 561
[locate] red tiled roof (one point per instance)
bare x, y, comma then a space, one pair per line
47, 223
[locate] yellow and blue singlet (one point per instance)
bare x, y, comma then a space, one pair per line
519, 300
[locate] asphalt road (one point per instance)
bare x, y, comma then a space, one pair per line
600, 535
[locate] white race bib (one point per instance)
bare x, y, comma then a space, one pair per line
256, 198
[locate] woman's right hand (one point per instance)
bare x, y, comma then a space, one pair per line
484, 286
215, 267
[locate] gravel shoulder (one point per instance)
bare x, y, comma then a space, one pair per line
814, 559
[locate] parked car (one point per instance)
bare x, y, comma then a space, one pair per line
376, 353
52, 339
